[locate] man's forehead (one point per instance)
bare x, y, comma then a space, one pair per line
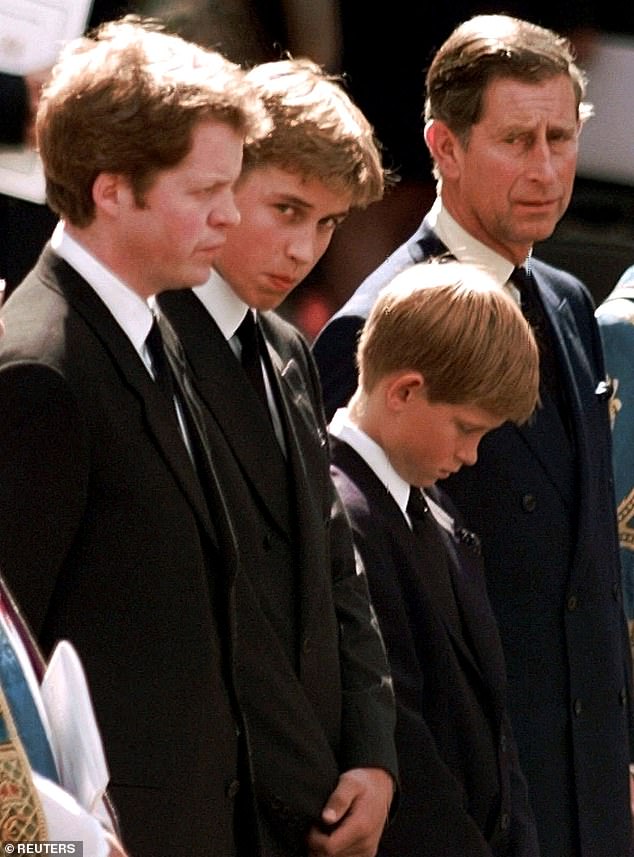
510, 100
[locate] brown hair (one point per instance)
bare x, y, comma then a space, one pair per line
126, 100
455, 325
488, 47
317, 131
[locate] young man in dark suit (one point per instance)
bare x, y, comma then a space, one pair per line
110, 536
312, 675
444, 357
504, 110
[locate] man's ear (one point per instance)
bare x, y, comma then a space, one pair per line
444, 147
108, 192
402, 388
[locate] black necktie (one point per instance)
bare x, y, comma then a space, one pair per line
173, 389
249, 335
160, 366
435, 563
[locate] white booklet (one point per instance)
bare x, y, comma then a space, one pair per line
32, 33
77, 744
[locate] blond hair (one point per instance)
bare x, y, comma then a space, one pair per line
466, 336
126, 100
317, 131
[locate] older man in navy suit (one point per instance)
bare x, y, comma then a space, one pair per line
504, 110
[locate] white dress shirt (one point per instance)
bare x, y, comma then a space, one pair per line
228, 311
343, 428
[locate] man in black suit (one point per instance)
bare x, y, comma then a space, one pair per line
504, 110
313, 679
415, 416
109, 535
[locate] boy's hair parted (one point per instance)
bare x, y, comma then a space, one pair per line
317, 130
126, 99
466, 336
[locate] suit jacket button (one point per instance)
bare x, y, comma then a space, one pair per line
503, 743
306, 646
622, 696
529, 502
232, 789
577, 707
505, 821
572, 602
616, 592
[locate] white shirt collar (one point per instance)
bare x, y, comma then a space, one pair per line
374, 456
130, 311
222, 303
464, 246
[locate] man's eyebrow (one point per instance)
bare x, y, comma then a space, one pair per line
300, 202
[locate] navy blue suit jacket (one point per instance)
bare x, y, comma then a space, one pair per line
461, 788
543, 505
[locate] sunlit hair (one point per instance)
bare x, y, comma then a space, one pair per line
489, 47
465, 335
317, 131
126, 100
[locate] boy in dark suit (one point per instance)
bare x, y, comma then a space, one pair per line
311, 674
444, 357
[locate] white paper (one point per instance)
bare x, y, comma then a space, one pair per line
67, 821
75, 735
32, 33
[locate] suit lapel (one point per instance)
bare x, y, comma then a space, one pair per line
161, 426
476, 653
308, 461
580, 378
226, 391
546, 434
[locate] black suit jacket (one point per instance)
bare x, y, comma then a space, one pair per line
461, 788
106, 539
311, 672
543, 505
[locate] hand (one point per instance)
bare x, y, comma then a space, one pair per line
631, 791
354, 815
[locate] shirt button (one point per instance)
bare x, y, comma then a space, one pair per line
529, 503
577, 707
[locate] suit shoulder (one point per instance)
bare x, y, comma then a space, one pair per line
563, 282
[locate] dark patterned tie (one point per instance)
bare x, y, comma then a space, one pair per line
534, 313
250, 340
